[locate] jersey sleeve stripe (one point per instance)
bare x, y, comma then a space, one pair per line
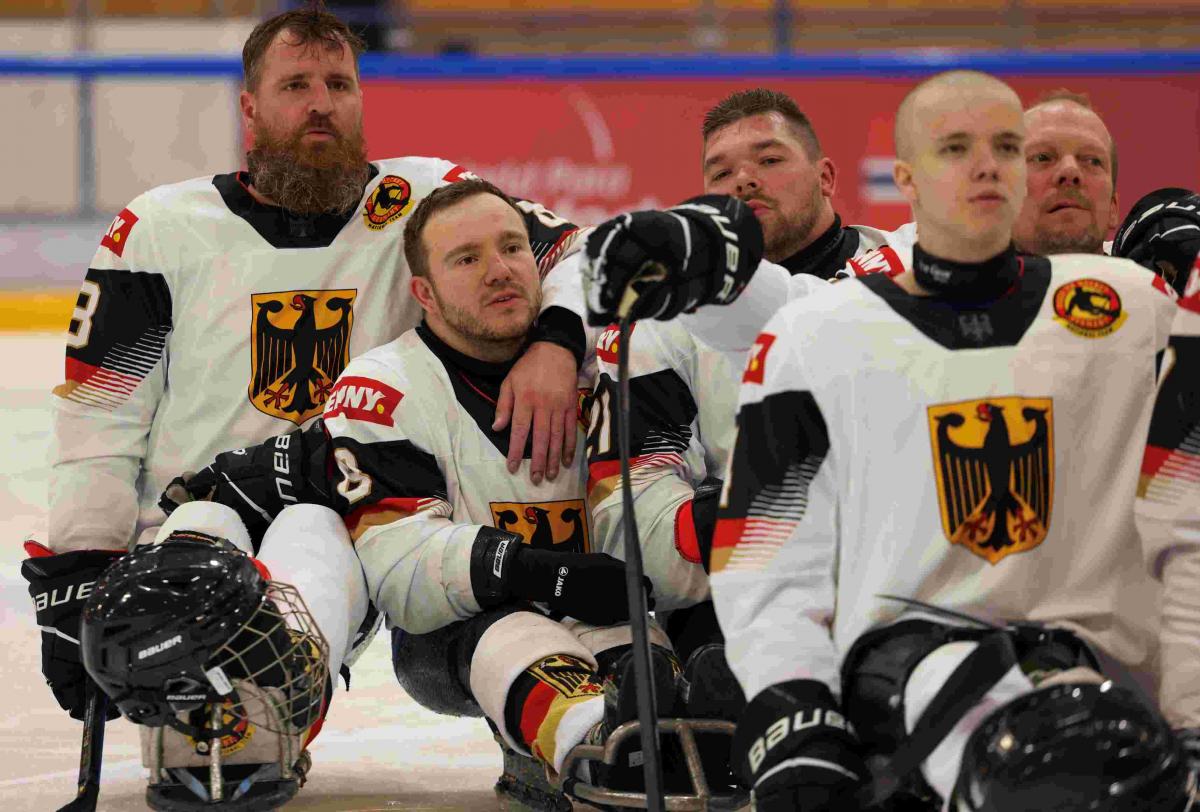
387, 511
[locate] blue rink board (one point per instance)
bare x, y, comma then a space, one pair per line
866, 63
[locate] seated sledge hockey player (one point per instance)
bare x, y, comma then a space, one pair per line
1168, 515
497, 603
958, 441
760, 148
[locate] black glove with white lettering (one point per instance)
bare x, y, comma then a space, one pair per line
702, 251
59, 586
260, 481
586, 586
1162, 232
797, 752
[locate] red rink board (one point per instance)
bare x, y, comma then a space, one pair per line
589, 148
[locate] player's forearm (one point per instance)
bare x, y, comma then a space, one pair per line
93, 504
735, 326
775, 630
1179, 634
419, 572
679, 579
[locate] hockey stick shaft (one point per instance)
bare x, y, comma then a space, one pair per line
91, 751
638, 609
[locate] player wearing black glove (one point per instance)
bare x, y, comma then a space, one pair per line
1162, 232
260, 481
59, 586
797, 752
586, 586
702, 251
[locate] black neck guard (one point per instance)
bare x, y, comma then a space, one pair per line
967, 281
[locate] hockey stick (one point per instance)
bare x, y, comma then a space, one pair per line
91, 751
638, 609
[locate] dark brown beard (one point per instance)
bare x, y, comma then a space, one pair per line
309, 180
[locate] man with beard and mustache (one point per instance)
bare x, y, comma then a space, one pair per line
219, 311
1071, 161
456, 551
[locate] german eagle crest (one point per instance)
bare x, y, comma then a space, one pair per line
994, 465
300, 346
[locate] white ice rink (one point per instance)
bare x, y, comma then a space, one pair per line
378, 750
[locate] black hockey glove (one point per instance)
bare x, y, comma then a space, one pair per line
702, 251
59, 586
260, 481
797, 752
586, 586
1162, 232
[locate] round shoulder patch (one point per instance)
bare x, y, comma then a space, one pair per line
1088, 308
389, 201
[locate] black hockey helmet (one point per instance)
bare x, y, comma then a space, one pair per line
172, 626
1073, 747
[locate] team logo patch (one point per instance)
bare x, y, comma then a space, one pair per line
560, 525
609, 342
118, 232
756, 362
583, 408
300, 345
994, 464
568, 675
363, 399
238, 738
1088, 308
390, 201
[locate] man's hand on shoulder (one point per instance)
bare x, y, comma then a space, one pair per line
540, 399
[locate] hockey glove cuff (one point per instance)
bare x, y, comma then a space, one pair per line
703, 251
1162, 233
260, 481
797, 751
59, 586
586, 586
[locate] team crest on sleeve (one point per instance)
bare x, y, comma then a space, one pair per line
363, 399
1088, 308
560, 525
390, 201
236, 739
300, 345
994, 464
118, 232
756, 361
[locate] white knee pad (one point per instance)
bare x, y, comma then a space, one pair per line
212, 518
942, 766
602, 638
308, 547
507, 648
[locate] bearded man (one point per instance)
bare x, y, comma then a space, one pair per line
219, 311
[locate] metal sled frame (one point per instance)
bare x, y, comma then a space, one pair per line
702, 797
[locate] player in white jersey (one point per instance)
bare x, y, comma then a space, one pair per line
933, 436
219, 311
761, 148
458, 553
1168, 509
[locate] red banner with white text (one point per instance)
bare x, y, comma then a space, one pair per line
587, 149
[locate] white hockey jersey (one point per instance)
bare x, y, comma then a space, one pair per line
420, 470
1168, 510
208, 320
736, 325
980, 459
683, 397
684, 401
